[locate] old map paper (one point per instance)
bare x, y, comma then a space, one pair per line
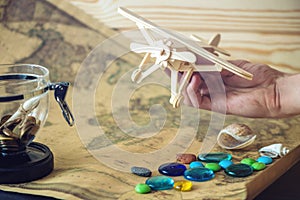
59, 36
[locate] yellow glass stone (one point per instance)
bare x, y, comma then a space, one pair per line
183, 185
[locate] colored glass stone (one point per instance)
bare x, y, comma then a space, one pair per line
265, 159
196, 164
214, 157
160, 183
225, 163
199, 174
213, 166
172, 169
141, 171
183, 185
258, 166
142, 188
248, 161
186, 158
239, 170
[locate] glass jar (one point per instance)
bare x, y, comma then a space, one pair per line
24, 105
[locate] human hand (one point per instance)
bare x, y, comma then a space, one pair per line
258, 97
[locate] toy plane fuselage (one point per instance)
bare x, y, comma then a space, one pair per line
177, 60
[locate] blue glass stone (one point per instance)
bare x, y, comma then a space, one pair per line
172, 169
160, 183
225, 163
214, 157
239, 170
265, 159
196, 164
199, 174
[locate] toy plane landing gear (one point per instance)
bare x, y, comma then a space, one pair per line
177, 54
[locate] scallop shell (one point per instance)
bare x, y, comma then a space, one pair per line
235, 136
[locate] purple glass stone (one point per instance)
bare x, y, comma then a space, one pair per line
172, 169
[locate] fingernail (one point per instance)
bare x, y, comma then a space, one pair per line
201, 92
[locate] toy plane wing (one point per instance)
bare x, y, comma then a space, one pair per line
191, 45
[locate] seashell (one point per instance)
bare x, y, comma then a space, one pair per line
273, 150
235, 136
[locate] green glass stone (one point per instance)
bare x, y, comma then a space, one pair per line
248, 161
258, 166
142, 188
214, 157
213, 166
239, 170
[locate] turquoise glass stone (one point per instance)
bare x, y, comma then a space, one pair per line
225, 163
199, 174
196, 164
265, 159
172, 169
160, 183
214, 157
239, 170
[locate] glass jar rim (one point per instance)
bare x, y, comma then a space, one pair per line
29, 73
43, 69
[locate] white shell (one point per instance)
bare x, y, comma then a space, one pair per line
235, 136
274, 150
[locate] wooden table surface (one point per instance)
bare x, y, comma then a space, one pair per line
265, 32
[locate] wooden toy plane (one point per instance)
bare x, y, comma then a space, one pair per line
177, 53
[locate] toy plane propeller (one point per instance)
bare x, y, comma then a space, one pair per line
176, 53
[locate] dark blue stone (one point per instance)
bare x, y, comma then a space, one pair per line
239, 170
141, 171
199, 174
214, 157
172, 169
160, 183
